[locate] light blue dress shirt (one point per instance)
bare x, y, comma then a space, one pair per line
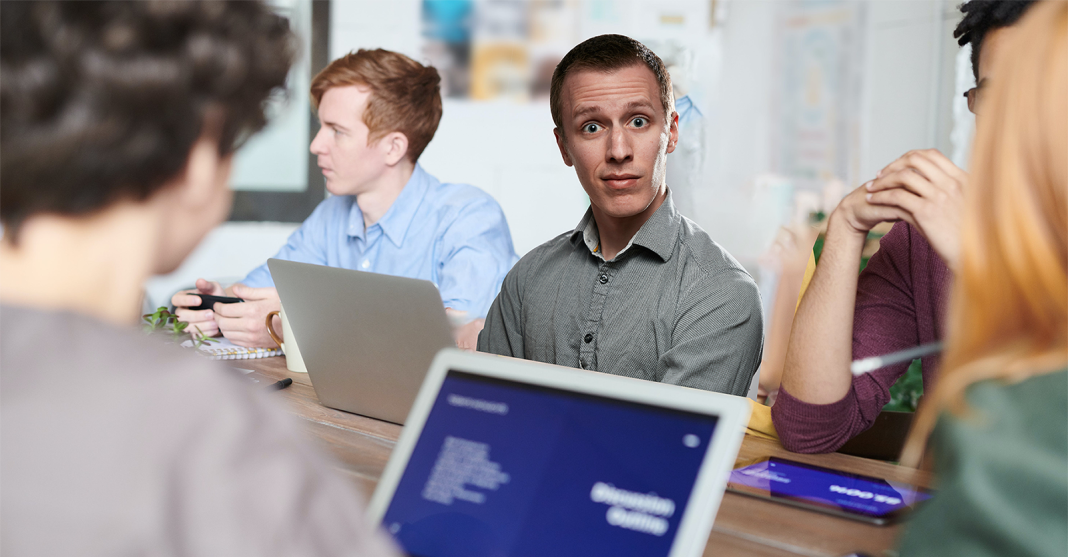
453, 235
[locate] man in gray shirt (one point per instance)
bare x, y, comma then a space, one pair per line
636, 289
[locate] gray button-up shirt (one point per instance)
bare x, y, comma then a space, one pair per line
673, 306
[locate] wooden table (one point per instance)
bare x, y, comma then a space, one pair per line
744, 526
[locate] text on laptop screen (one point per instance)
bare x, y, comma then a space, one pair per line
507, 468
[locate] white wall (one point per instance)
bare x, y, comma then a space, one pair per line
902, 78
739, 117
508, 150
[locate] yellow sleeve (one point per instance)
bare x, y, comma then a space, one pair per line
809, 271
760, 423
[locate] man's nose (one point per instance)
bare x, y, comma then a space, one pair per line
619, 148
318, 144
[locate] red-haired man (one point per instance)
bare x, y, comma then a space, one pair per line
378, 111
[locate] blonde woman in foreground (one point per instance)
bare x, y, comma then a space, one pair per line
999, 414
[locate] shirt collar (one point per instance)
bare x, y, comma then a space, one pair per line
398, 218
659, 234
587, 231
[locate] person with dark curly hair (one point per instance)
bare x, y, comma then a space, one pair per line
118, 125
899, 300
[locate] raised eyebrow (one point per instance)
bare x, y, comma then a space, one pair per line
633, 106
583, 111
636, 106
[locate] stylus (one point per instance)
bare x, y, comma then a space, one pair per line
279, 385
867, 365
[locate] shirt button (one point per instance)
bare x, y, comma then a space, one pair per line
588, 338
603, 278
366, 263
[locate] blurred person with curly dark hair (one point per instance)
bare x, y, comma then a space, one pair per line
118, 125
900, 298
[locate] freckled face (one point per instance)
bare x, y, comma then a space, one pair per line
349, 164
617, 137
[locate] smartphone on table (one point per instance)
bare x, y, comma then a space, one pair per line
844, 494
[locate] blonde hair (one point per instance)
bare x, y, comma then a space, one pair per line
1008, 317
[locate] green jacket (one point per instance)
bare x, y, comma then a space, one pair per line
1002, 473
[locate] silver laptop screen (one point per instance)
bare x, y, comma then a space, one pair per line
509, 468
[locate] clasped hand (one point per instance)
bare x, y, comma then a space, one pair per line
922, 188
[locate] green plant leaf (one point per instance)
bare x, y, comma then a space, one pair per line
200, 339
906, 392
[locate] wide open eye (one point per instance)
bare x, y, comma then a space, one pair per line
591, 128
640, 122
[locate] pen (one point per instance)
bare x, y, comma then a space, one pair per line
279, 385
867, 365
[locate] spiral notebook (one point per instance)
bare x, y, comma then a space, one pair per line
223, 349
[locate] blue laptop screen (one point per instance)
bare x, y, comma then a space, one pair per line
507, 468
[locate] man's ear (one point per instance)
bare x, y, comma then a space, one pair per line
395, 145
561, 142
673, 132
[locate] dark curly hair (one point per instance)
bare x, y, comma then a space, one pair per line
103, 101
984, 16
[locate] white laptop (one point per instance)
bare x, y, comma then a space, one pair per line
367, 339
507, 457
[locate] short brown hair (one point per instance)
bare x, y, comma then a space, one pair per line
405, 95
606, 53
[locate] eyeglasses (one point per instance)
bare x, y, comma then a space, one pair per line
973, 97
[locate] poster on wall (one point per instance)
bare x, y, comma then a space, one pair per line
497, 49
447, 26
818, 72
508, 49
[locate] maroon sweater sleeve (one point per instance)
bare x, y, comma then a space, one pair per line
885, 320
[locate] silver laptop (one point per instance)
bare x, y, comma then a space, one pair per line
367, 339
501, 456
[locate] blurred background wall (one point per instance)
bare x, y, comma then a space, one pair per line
792, 104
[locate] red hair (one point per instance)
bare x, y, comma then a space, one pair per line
1008, 315
405, 95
